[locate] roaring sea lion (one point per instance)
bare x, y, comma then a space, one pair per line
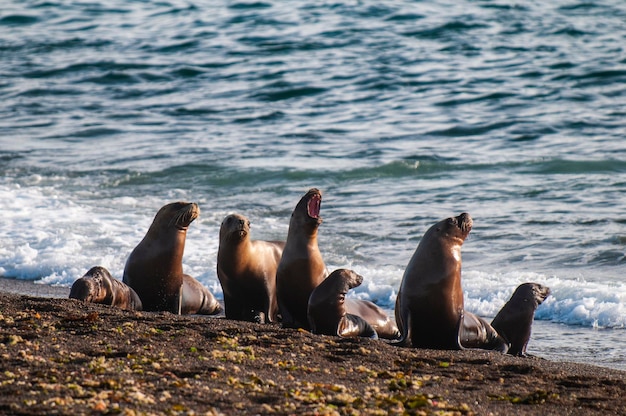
247, 272
330, 313
154, 268
98, 286
514, 321
301, 266
429, 306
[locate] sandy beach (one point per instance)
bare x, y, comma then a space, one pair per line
61, 356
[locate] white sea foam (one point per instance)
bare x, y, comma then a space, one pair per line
572, 302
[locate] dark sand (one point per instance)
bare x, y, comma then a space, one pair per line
61, 356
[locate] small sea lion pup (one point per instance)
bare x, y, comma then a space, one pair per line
429, 307
154, 268
330, 313
247, 272
514, 321
98, 286
301, 266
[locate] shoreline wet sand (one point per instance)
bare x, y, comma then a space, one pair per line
61, 356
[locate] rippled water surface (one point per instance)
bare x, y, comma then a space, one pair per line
402, 112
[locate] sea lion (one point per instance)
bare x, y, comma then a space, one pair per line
429, 306
301, 266
98, 286
330, 313
514, 321
154, 268
247, 272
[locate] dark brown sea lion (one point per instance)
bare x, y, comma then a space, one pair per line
154, 268
247, 272
301, 267
514, 321
98, 286
429, 307
330, 313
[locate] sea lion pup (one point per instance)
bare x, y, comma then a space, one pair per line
301, 266
154, 268
514, 321
98, 286
247, 272
429, 306
329, 312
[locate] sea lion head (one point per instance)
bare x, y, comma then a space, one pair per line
533, 293
177, 215
93, 286
326, 305
234, 227
308, 208
455, 228
343, 280
84, 289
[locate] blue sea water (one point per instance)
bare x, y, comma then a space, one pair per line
402, 112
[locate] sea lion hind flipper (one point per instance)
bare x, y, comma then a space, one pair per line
405, 334
197, 299
355, 326
475, 332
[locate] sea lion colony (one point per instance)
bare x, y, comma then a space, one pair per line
287, 282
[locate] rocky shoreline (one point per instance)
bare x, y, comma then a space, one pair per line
62, 356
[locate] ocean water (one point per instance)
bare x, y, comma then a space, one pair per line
402, 112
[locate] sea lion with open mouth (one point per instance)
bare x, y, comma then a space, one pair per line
301, 268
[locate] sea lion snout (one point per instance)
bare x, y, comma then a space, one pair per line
465, 222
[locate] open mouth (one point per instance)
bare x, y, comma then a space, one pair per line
313, 206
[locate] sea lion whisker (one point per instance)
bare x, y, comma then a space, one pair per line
183, 217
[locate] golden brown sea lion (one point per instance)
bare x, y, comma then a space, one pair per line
247, 272
98, 286
514, 321
154, 268
301, 266
330, 313
429, 307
